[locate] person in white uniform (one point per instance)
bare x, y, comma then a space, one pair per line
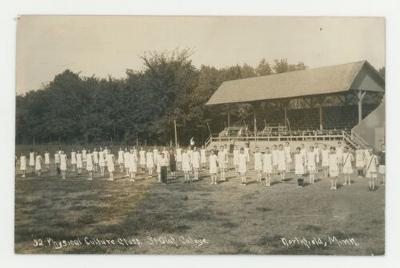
142, 159
73, 160
347, 161
133, 164
149, 162
288, 156
317, 151
121, 159
32, 161
110, 166
258, 163
311, 164
299, 163
221, 163
79, 162
126, 161
281, 162
84, 157
47, 160
196, 163
333, 167
242, 166
339, 152
63, 165
213, 166
57, 161
325, 160
179, 158
267, 166
95, 155
360, 162
38, 164
89, 165
303, 151
275, 159
203, 157
102, 162
371, 173
22, 164
226, 151
247, 152
236, 159
186, 166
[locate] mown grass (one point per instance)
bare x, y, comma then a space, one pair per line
234, 219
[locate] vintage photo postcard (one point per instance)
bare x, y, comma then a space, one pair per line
200, 135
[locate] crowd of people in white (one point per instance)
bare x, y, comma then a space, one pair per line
268, 164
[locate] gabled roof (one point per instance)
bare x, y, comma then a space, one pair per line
317, 81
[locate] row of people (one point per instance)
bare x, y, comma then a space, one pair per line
277, 161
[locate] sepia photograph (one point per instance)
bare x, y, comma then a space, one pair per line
237, 135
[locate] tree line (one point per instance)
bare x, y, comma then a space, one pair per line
141, 107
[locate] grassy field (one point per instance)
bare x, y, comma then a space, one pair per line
144, 216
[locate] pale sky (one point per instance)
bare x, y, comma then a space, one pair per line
108, 45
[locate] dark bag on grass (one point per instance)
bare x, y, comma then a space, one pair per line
300, 182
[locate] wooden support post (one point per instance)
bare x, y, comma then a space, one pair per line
229, 117
176, 134
255, 123
321, 127
360, 96
285, 113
